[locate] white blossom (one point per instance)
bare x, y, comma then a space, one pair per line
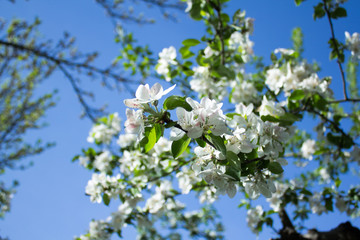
274, 79
102, 161
134, 123
186, 179
144, 94
275, 199
258, 185
118, 218
208, 52
241, 43
126, 140
308, 149
269, 107
254, 216
157, 201
206, 115
103, 184
284, 51
208, 195
84, 161
353, 44
244, 92
316, 203
166, 58
314, 84
176, 134
202, 83
98, 230
216, 175
324, 174
104, 132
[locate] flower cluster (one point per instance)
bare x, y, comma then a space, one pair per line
166, 58
103, 184
253, 218
353, 44
105, 130
203, 84
298, 77
308, 149
206, 115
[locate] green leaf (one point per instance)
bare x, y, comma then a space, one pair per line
150, 139
200, 142
298, 2
173, 102
195, 11
342, 141
275, 167
159, 131
319, 11
233, 160
306, 192
222, 71
76, 157
337, 182
297, 95
338, 13
106, 199
319, 102
233, 173
185, 52
190, 42
179, 146
218, 143
329, 204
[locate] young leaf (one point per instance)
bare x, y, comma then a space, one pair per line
275, 167
159, 131
106, 199
338, 13
179, 146
219, 143
150, 135
173, 102
200, 142
297, 95
190, 42
233, 159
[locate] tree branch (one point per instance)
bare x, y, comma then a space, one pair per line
333, 39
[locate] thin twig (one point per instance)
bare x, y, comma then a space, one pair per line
333, 39
345, 100
64, 61
87, 109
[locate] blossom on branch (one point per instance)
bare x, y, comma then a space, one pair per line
144, 94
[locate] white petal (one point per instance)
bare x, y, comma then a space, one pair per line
176, 134
156, 91
132, 103
181, 114
143, 92
168, 90
195, 132
193, 103
231, 190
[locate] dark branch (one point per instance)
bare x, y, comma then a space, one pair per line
333, 39
345, 100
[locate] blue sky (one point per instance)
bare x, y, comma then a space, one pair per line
51, 202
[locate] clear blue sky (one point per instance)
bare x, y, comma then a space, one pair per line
51, 202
